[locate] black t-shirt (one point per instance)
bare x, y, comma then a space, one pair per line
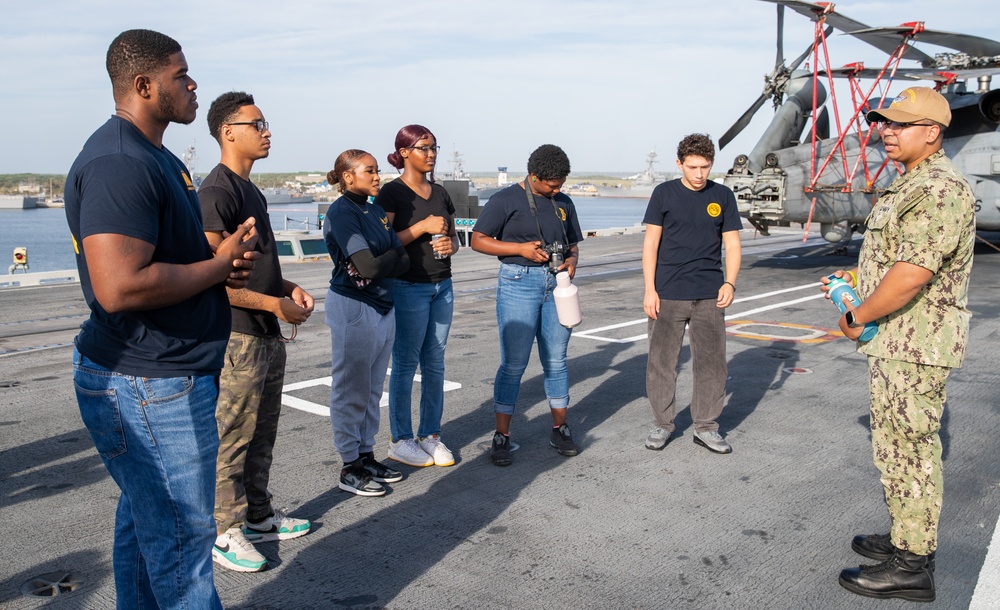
226, 201
689, 258
123, 185
507, 217
349, 228
409, 209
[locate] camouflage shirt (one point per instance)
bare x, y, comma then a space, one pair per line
925, 218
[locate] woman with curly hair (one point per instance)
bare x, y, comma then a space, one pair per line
528, 226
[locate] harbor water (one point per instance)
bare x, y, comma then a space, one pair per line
43, 231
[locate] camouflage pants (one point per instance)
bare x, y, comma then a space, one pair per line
907, 401
247, 414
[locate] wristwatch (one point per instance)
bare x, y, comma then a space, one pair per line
849, 316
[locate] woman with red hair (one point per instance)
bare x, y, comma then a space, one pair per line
423, 216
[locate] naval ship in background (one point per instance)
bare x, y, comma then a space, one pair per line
642, 184
275, 195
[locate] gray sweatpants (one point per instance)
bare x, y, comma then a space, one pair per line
361, 341
707, 325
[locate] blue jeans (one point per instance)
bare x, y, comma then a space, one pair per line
158, 439
423, 319
526, 311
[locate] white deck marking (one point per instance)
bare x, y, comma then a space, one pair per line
594, 333
324, 409
987, 593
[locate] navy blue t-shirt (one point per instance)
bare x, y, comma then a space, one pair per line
507, 217
122, 184
349, 228
689, 259
226, 201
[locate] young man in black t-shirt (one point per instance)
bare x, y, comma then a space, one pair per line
688, 220
254, 371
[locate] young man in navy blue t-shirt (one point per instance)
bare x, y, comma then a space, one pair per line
688, 221
146, 364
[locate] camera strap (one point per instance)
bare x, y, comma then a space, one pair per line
534, 214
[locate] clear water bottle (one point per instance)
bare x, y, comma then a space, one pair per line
567, 298
434, 239
838, 288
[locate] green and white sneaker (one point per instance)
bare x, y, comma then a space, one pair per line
278, 526
232, 550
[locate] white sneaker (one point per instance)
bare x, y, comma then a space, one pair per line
232, 550
433, 447
408, 452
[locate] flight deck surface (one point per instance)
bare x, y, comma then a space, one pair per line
618, 526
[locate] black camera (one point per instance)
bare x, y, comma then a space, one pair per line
556, 256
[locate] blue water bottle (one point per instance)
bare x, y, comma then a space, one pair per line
838, 288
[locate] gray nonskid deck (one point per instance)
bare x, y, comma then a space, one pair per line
618, 526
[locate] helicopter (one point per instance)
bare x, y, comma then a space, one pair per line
832, 172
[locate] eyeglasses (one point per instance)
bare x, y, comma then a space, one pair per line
897, 126
426, 149
259, 124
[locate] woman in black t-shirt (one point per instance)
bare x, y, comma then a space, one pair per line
423, 216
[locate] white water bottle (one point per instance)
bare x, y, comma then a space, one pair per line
567, 299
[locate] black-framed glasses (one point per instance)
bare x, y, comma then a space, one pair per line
259, 124
426, 149
897, 126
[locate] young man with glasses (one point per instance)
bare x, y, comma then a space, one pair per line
146, 363
913, 277
254, 372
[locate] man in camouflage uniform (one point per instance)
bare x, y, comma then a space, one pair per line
254, 371
913, 278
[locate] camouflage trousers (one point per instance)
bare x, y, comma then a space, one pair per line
907, 402
247, 414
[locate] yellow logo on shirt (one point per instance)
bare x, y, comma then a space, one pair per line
562, 214
714, 210
385, 222
187, 181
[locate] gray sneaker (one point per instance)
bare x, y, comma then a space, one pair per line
657, 439
712, 441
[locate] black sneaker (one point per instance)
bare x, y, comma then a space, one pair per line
563, 441
500, 454
379, 471
355, 479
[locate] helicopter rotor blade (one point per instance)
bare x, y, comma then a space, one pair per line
774, 87
743, 121
780, 57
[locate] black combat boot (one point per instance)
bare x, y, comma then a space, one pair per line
905, 575
878, 547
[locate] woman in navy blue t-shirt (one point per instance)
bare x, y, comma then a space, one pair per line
366, 256
524, 225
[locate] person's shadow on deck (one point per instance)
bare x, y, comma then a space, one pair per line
370, 562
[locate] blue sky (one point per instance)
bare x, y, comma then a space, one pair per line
607, 81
